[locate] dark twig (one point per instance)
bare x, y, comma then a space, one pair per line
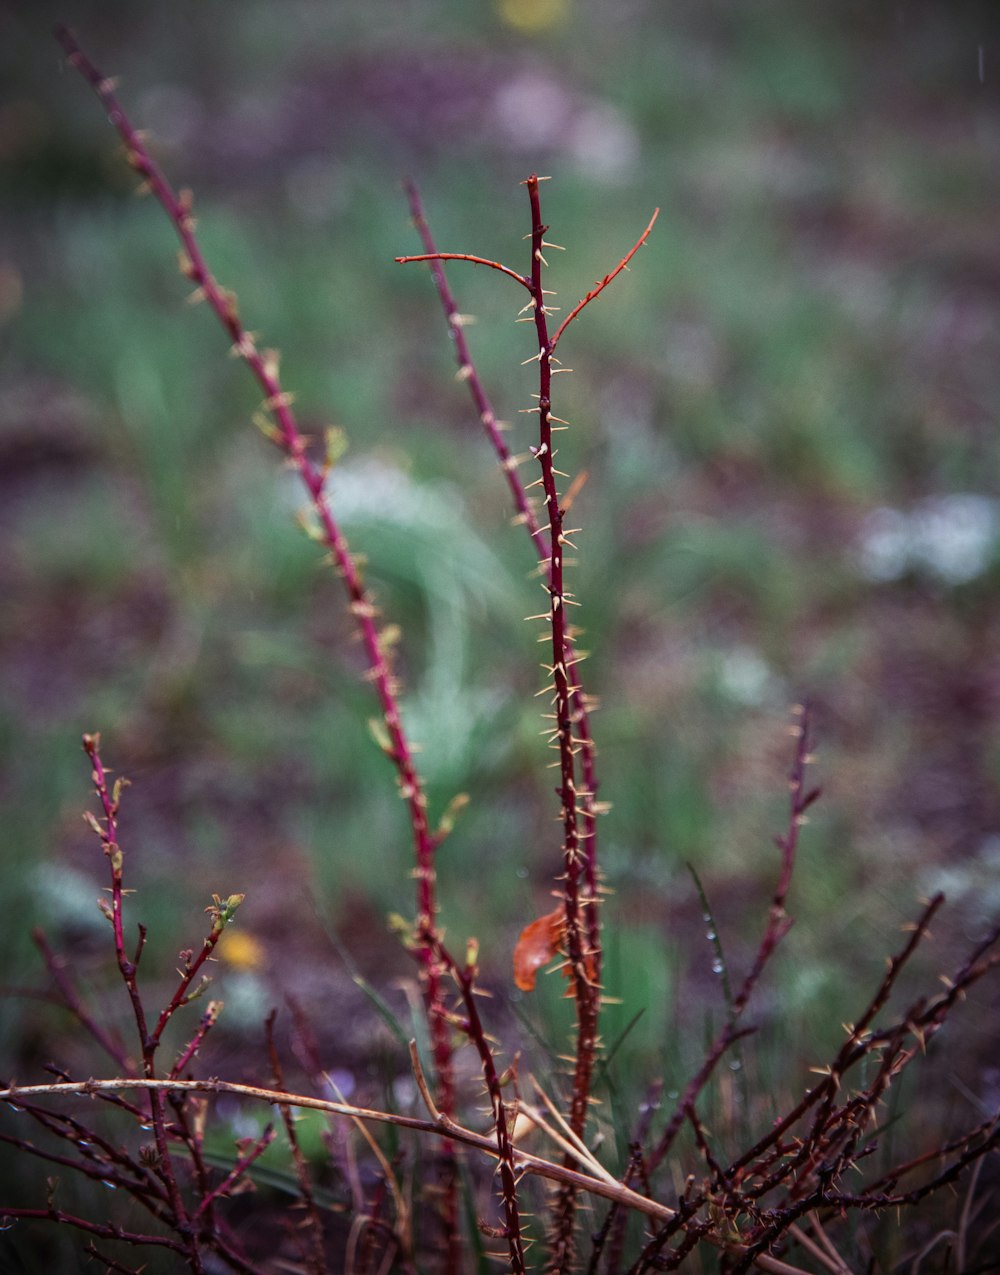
312, 1226
778, 925
70, 998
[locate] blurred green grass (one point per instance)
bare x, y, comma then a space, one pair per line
811, 333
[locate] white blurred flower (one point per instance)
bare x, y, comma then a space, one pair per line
950, 537
745, 676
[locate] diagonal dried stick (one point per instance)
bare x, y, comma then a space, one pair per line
527, 1163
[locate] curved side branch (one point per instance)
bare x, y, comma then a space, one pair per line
476, 261
599, 287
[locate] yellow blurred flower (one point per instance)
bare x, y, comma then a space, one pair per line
241, 951
532, 15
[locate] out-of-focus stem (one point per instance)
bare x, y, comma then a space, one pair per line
263, 364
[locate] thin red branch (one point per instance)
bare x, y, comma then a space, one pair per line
468, 372
577, 900
56, 964
599, 287
466, 256
222, 913
571, 734
238, 1171
208, 1020
289, 438
148, 1045
95, 1159
104, 1230
465, 978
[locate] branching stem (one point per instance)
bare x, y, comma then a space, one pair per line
287, 435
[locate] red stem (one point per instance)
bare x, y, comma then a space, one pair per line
238, 1170
570, 735
287, 435
526, 514
467, 369
567, 744
465, 976
148, 1044
467, 256
599, 287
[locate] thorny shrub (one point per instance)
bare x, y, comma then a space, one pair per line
787, 1197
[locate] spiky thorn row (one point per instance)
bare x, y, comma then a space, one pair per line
292, 442
575, 901
576, 793
526, 515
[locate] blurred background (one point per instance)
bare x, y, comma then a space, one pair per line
787, 410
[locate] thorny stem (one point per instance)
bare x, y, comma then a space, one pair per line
105, 1230
570, 735
857, 1046
468, 373
287, 435
238, 1170
97, 1159
509, 463
580, 958
208, 1020
472, 1025
617, 1217
444, 1125
804, 1167
601, 284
